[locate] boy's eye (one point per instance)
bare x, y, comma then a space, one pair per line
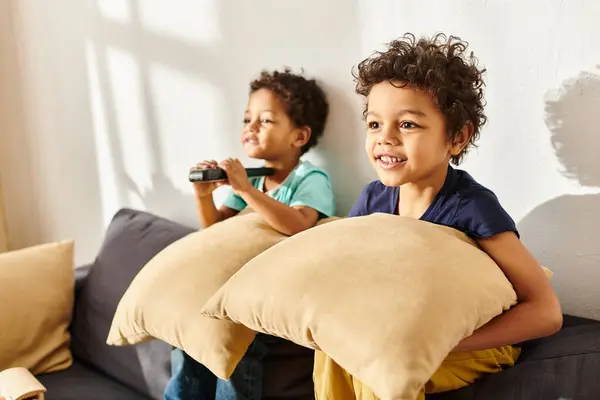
246, 120
408, 125
373, 125
266, 121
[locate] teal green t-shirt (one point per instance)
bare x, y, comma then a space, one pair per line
306, 186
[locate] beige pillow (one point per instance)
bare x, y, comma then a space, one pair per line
36, 303
165, 298
386, 297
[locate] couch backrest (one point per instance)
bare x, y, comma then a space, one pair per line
132, 239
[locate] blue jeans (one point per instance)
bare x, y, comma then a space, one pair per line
191, 380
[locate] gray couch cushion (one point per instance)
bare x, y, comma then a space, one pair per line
132, 239
80, 382
562, 366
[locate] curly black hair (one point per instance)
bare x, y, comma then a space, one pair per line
304, 100
438, 66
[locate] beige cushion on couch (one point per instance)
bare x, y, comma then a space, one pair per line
165, 298
386, 297
36, 303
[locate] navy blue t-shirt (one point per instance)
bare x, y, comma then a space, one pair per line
462, 204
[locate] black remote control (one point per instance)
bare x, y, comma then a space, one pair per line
218, 174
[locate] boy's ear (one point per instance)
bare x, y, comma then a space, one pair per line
462, 139
302, 136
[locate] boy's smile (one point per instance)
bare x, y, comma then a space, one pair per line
250, 140
390, 161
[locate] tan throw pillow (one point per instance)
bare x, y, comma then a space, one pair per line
165, 298
36, 303
386, 297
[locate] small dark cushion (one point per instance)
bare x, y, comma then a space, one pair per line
132, 239
562, 366
80, 382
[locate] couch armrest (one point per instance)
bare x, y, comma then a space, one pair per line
81, 274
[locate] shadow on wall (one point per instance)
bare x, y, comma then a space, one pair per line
563, 232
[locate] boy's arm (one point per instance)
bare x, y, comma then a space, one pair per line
287, 220
208, 212
538, 312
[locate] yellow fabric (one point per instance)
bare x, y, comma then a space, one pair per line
372, 292
165, 298
458, 370
36, 303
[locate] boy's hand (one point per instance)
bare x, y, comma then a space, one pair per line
204, 189
236, 175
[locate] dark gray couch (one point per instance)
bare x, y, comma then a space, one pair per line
562, 366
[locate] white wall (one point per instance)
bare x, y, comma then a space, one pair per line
116, 98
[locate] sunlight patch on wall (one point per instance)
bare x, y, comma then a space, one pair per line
131, 132
194, 21
106, 173
115, 10
189, 118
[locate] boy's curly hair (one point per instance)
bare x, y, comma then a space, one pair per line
304, 100
438, 66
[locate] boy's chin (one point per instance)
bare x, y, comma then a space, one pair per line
390, 179
255, 153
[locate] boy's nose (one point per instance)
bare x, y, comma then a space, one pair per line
388, 137
252, 126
